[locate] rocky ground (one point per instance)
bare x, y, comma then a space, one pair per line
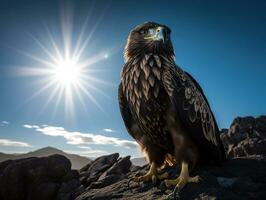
243, 176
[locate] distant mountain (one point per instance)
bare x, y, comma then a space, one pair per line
139, 161
4, 156
76, 160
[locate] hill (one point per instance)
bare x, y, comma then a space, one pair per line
76, 160
139, 161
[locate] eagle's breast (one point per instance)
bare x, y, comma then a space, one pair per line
141, 83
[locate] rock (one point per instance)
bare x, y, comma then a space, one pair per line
260, 127
243, 176
115, 173
226, 182
245, 137
122, 166
94, 170
240, 178
37, 178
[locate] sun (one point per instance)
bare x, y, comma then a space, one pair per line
67, 72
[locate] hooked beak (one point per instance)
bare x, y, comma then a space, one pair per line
157, 34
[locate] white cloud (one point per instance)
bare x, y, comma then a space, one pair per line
90, 153
6, 142
84, 147
30, 126
4, 123
108, 130
94, 153
79, 138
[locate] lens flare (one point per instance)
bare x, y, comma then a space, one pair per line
64, 71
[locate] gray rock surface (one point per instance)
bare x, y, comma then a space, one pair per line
91, 172
38, 178
242, 176
245, 137
239, 178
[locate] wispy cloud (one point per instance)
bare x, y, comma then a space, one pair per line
12, 143
94, 153
30, 126
4, 123
85, 147
108, 130
90, 153
79, 138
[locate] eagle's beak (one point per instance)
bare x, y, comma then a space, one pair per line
158, 33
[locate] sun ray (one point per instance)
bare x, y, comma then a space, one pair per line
51, 97
80, 38
97, 80
59, 97
91, 86
87, 40
80, 97
45, 50
38, 59
88, 94
66, 71
41, 90
56, 49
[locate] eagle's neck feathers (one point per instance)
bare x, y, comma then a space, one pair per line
141, 78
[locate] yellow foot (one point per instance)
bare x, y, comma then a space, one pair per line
181, 181
152, 175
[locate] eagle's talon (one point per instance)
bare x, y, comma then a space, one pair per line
154, 179
165, 175
176, 193
195, 179
162, 187
128, 184
181, 181
171, 182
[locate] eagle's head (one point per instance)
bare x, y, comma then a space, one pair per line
149, 37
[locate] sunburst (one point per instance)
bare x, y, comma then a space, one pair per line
63, 72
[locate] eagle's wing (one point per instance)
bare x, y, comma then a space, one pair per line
193, 110
130, 123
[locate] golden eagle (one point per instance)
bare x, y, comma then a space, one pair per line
163, 107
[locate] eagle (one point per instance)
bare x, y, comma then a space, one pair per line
164, 108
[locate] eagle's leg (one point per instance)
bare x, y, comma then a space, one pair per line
183, 178
152, 175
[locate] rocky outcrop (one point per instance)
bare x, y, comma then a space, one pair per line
245, 137
242, 176
104, 171
38, 178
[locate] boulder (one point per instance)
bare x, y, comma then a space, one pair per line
94, 170
245, 137
37, 178
115, 173
260, 127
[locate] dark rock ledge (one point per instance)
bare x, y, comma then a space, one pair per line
242, 176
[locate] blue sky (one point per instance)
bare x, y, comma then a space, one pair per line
221, 43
